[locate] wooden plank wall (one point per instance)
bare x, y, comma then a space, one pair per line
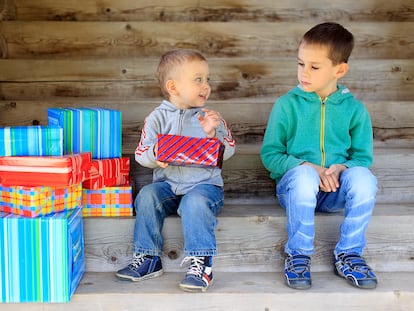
104, 53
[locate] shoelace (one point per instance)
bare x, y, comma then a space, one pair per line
196, 266
137, 260
298, 263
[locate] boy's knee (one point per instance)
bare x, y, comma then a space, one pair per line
360, 178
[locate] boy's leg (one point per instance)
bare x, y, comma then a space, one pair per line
153, 203
297, 192
357, 192
198, 210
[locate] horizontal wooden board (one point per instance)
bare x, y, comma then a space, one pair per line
237, 78
250, 291
207, 10
246, 179
252, 238
247, 119
45, 39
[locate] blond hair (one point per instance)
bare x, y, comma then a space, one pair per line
171, 60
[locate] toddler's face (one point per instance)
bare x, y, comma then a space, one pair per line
192, 87
316, 72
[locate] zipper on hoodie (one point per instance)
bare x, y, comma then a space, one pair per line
180, 131
322, 131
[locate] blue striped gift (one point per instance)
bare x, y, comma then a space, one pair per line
41, 259
33, 140
95, 130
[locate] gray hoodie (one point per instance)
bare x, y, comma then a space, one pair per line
168, 119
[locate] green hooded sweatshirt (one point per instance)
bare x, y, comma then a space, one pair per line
303, 127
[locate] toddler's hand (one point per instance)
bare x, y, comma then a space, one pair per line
209, 122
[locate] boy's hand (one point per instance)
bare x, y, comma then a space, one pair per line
330, 177
162, 164
159, 163
209, 122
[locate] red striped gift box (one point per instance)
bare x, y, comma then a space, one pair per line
108, 173
44, 171
192, 151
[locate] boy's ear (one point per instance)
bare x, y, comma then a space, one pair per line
170, 86
342, 70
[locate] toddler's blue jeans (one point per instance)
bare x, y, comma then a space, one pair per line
298, 193
197, 209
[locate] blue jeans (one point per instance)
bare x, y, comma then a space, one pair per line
298, 193
198, 209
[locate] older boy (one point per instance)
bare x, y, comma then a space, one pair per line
318, 146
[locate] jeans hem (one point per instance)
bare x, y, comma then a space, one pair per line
200, 253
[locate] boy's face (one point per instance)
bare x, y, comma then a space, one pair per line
190, 86
316, 72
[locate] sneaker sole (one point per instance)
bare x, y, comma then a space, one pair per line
142, 278
298, 285
351, 280
194, 289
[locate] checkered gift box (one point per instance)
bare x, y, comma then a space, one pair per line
107, 202
39, 201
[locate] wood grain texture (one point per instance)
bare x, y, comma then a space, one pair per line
213, 10
254, 240
236, 78
48, 39
247, 119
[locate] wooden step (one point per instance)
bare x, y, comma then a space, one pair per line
234, 291
251, 238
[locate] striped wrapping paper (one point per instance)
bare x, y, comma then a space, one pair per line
31, 141
97, 130
108, 173
41, 259
107, 202
39, 201
192, 151
44, 171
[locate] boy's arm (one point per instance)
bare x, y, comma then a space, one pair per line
145, 153
224, 135
274, 150
361, 151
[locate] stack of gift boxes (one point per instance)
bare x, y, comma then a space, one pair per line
50, 178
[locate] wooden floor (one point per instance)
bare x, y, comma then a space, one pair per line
234, 291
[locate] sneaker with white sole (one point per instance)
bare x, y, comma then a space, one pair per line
142, 267
355, 270
199, 275
297, 271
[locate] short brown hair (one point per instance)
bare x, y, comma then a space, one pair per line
170, 60
338, 40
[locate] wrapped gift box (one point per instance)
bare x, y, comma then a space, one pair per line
107, 202
39, 201
31, 141
108, 173
97, 130
41, 259
192, 151
44, 171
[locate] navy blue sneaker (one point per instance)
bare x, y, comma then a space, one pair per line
199, 275
297, 271
354, 268
142, 267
